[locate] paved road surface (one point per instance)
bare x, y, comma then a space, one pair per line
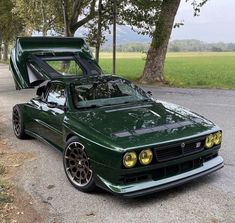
209, 199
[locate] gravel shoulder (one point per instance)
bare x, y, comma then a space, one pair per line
16, 205
209, 199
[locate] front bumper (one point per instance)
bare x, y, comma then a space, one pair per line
143, 188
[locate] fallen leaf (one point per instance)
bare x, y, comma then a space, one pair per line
90, 214
50, 186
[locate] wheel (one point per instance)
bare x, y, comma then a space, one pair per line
18, 124
77, 166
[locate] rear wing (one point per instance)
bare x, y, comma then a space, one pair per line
27, 48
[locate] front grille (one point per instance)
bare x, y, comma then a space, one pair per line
168, 171
177, 169
179, 150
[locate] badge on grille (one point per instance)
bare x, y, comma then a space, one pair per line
198, 145
182, 145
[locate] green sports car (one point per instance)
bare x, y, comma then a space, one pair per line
113, 134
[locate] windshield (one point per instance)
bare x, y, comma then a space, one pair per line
106, 91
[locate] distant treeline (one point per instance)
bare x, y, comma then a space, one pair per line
127, 47
191, 45
197, 45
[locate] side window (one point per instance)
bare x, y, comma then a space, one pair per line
56, 94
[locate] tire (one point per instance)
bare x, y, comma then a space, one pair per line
77, 166
18, 123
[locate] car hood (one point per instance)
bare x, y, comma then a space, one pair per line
137, 125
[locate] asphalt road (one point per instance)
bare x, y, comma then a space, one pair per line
209, 199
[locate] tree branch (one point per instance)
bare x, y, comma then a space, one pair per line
85, 20
77, 6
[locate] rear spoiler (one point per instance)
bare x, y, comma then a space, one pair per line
27, 47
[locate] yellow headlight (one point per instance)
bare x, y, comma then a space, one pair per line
209, 141
130, 159
218, 138
146, 157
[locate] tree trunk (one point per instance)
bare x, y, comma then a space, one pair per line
71, 24
97, 53
67, 29
99, 32
114, 35
0, 48
66, 19
154, 66
5, 52
44, 22
44, 32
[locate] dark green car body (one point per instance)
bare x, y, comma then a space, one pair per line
175, 135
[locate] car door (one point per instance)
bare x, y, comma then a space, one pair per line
52, 114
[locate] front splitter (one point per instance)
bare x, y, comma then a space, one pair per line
143, 188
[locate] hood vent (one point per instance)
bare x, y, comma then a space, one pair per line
159, 128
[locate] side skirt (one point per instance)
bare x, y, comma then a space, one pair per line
34, 135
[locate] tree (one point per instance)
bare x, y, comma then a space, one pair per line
99, 31
216, 49
77, 13
10, 25
60, 16
0, 47
154, 66
100, 25
155, 18
40, 15
95, 30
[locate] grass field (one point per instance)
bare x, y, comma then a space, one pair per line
197, 70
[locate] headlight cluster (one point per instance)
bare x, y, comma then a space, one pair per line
213, 139
130, 158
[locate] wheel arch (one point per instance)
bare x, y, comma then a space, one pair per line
80, 140
70, 135
21, 108
96, 150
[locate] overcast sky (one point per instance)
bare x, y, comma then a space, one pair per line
216, 22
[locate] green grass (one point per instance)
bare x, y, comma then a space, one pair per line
196, 70
128, 68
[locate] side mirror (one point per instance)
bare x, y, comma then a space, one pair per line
149, 93
40, 91
52, 104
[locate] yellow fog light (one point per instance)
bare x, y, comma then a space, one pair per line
217, 138
209, 141
130, 159
146, 157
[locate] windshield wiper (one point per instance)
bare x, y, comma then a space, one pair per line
125, 102
146, 100
129, 102
90, 106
